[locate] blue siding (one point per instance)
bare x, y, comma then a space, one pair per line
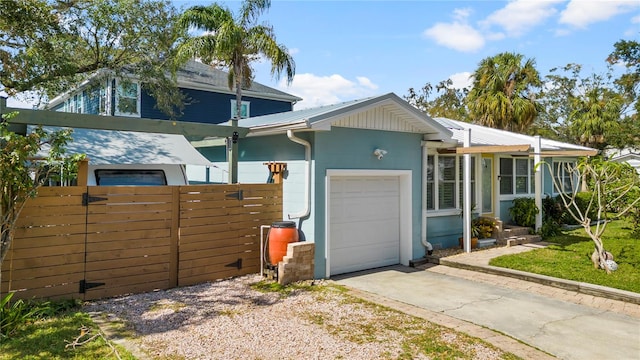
91, 101
443, 231
344, 148
212, 107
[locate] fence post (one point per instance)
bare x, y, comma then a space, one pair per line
83, 172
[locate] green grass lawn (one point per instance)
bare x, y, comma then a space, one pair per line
569, 257
48, 339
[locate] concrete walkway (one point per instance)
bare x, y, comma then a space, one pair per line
551, 321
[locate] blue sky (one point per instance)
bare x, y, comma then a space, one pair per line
347, 50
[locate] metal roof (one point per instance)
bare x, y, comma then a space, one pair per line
482, 135
397, 115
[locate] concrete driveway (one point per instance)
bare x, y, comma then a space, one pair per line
563, 329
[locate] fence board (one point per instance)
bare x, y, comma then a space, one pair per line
46, 242
126, 288
27, 264
128, 238
63, 291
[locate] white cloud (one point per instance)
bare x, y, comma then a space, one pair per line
457, 35
461, 80
520, 16
581, 13
366, 82
325, 90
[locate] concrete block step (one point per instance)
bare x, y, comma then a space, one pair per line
513, 231
519, 240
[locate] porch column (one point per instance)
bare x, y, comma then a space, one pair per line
466, 206
537, 158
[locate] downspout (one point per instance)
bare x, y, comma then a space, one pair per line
423, 235
307, 176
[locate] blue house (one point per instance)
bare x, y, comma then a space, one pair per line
375, 182
206, 88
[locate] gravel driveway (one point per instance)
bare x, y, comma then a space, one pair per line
231, 319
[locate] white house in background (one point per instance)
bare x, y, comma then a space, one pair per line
630, 156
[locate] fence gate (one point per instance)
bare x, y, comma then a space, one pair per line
220, 229
130, 231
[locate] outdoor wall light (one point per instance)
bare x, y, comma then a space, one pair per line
379, 153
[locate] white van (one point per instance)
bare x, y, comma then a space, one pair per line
135, 158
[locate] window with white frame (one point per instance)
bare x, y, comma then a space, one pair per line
444, 178
447, 189
431, 171
73, 104
565, 176
244, 109
516, 176
127, 96
77, 103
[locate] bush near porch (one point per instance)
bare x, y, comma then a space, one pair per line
569, 257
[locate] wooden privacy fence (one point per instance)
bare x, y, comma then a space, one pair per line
100, 241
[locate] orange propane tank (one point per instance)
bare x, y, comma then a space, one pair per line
280, 235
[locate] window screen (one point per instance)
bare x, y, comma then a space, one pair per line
430, 183
506, 176
447, 182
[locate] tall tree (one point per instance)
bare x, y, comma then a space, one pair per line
234, 42
503, 92
450, 103
627, 53
581, 109
50, 45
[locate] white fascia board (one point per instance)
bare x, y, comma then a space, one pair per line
277, 129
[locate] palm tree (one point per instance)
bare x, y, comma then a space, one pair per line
233, 43
502, 93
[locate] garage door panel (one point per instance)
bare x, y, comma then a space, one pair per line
367, 238
364, 223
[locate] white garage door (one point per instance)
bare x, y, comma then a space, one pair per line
364, 228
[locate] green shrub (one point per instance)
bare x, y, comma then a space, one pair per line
552, 213
523, 212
